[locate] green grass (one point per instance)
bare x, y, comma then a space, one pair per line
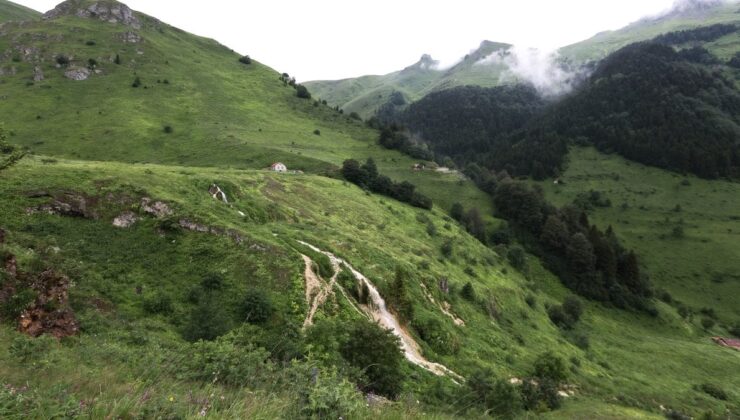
699, 269
15, 12
607, 42
366, 94
103, 138
373, 233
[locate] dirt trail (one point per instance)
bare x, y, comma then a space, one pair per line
378, 311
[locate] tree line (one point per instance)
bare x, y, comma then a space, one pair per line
367, 177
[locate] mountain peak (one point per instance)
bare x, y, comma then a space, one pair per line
105, 10
681, 6
426, 62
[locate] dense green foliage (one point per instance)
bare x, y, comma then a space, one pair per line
464, 123
367, 176
700, 34
590, 262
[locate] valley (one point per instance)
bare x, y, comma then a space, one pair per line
478, 250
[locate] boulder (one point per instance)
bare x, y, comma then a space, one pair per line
38, 74
77, 73
125, 220
157, 209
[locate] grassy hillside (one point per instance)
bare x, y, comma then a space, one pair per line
364, 95
220, 111
114, 285
605, 43
191, 266
685, 228
11, 11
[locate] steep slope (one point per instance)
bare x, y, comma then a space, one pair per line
135, 297
140, 261
196, 103
11, 11
364, 95
684, 15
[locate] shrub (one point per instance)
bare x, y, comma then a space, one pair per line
92, 63
208, 320
558, 316
256, 307
376, 352
517, 258
29, 349
714, 391
330, 396
117, 60
62, 60
168, 129
12, 308
317, 132
90, 43
447, 248
531, 301
549, 366
212, 281
137, 82
158, 304
468, 292
231, 359
245, 60
540, 395
302, 92
573, 307
707, 323
497, 395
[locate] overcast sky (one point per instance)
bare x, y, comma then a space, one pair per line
332, 39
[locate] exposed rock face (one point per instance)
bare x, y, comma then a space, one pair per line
77, 73
38, 74
130, 37
105, 10
68, 204
125, 220
50, 312
157, 209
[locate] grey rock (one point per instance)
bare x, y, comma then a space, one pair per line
107, 11
157, 209
38, 74
125, 220
77, 73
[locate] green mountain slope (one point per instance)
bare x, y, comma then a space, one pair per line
688, 16
141, 239
364, 95
136, 295
11, 11
220, 111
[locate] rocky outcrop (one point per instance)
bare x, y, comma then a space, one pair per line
77, 73
105, 10
68, 204
50, 312
38, 74
130, 37
158, 209
125, 220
